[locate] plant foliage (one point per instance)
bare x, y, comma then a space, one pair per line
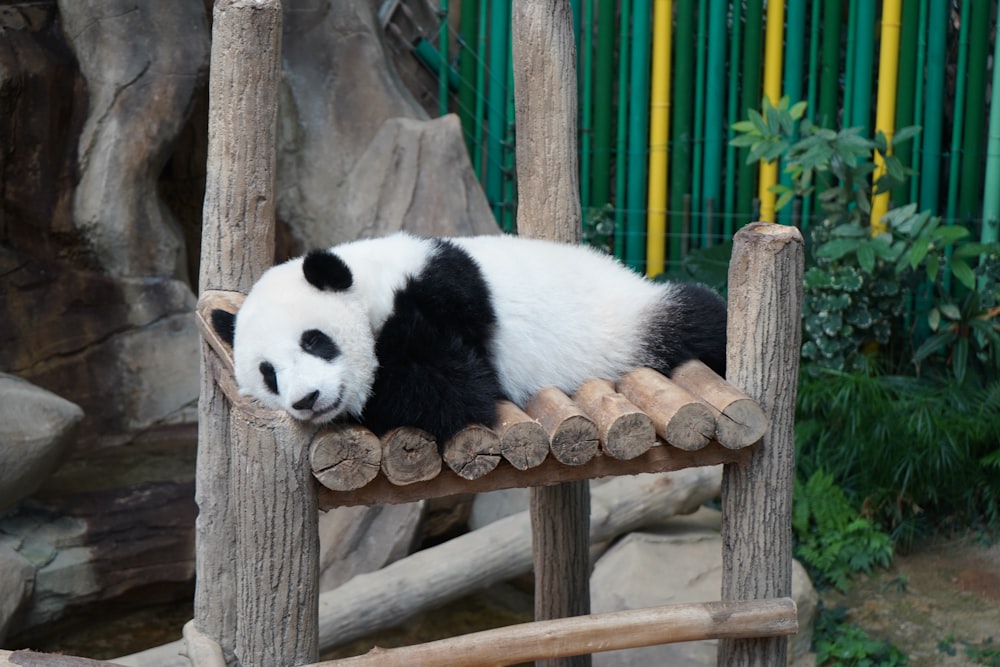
840, 644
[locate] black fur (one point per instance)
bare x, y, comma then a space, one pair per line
318, 344
691, 326
224, 324
435, 369
326, 271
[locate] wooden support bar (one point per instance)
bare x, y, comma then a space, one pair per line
680, 418
523, 441
657, 459
346, 456
624, 430
762, 359
739, 421
409, 455
594, 633
472, 452
573, 436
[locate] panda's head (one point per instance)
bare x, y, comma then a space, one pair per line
302, 340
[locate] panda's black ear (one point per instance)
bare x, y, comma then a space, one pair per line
224, 324
326, 271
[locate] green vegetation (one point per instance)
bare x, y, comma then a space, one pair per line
840, 644
984, 653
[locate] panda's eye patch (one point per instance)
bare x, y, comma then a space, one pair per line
270, 377
318, 344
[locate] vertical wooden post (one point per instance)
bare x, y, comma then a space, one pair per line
765, 310
549, 207
255, 493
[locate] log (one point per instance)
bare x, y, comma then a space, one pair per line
32, 659
624, 430
523, 441
739, 421
573, 436
345, 456
594, 633
408, 455
497, 552
472, 452
679, 418
762, 359
237, 245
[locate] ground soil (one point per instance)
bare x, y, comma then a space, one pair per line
939, 604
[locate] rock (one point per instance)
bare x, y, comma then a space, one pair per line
371, 163
17, 579
681, 562
495, 505
143, 62
355, 540
37, 428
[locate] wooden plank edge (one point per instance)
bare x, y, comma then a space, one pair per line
594, 633
661, 458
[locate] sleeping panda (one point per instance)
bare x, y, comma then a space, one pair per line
431, 332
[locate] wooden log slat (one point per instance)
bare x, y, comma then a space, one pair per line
410, 455
594, 633
472, 452
345, 456
739, 420
573, 436
223, 300
660, 458
624, 430
523, 441
680, 418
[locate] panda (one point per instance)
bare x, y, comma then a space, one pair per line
431, 332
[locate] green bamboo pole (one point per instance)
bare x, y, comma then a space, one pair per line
815, 22
715, 95
603, 85
991, 198
959, 111
496, 105
733, 114
826, 114
621, 139
934, 104
508, 218
918, 94
445, 52
635, 224
751, 99
905, 89
480, 111
467, 71
586, 77
850, 56
795, 35
863, 64
698, 138
979, 48
680, 122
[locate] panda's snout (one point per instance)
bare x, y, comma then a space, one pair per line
306, 402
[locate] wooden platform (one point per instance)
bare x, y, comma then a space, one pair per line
643, 423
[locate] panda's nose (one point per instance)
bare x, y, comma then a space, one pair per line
307, 401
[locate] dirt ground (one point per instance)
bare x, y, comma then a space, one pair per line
936, 603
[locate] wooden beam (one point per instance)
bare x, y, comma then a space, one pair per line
764, 335
594, 633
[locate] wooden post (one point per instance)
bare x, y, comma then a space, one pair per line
549, 207
255, 491
764, 335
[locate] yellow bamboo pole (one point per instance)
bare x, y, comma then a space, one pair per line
659, 132
773, 40
885, 105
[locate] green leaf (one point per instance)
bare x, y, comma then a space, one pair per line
934, 319
919, 251
905, 134
758, 122
951, 311
743, 126
798, 110
866, 257
933, 344
748, 139
951, 233
962, 272
784, 199
837, 248
932, 267
960, 359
